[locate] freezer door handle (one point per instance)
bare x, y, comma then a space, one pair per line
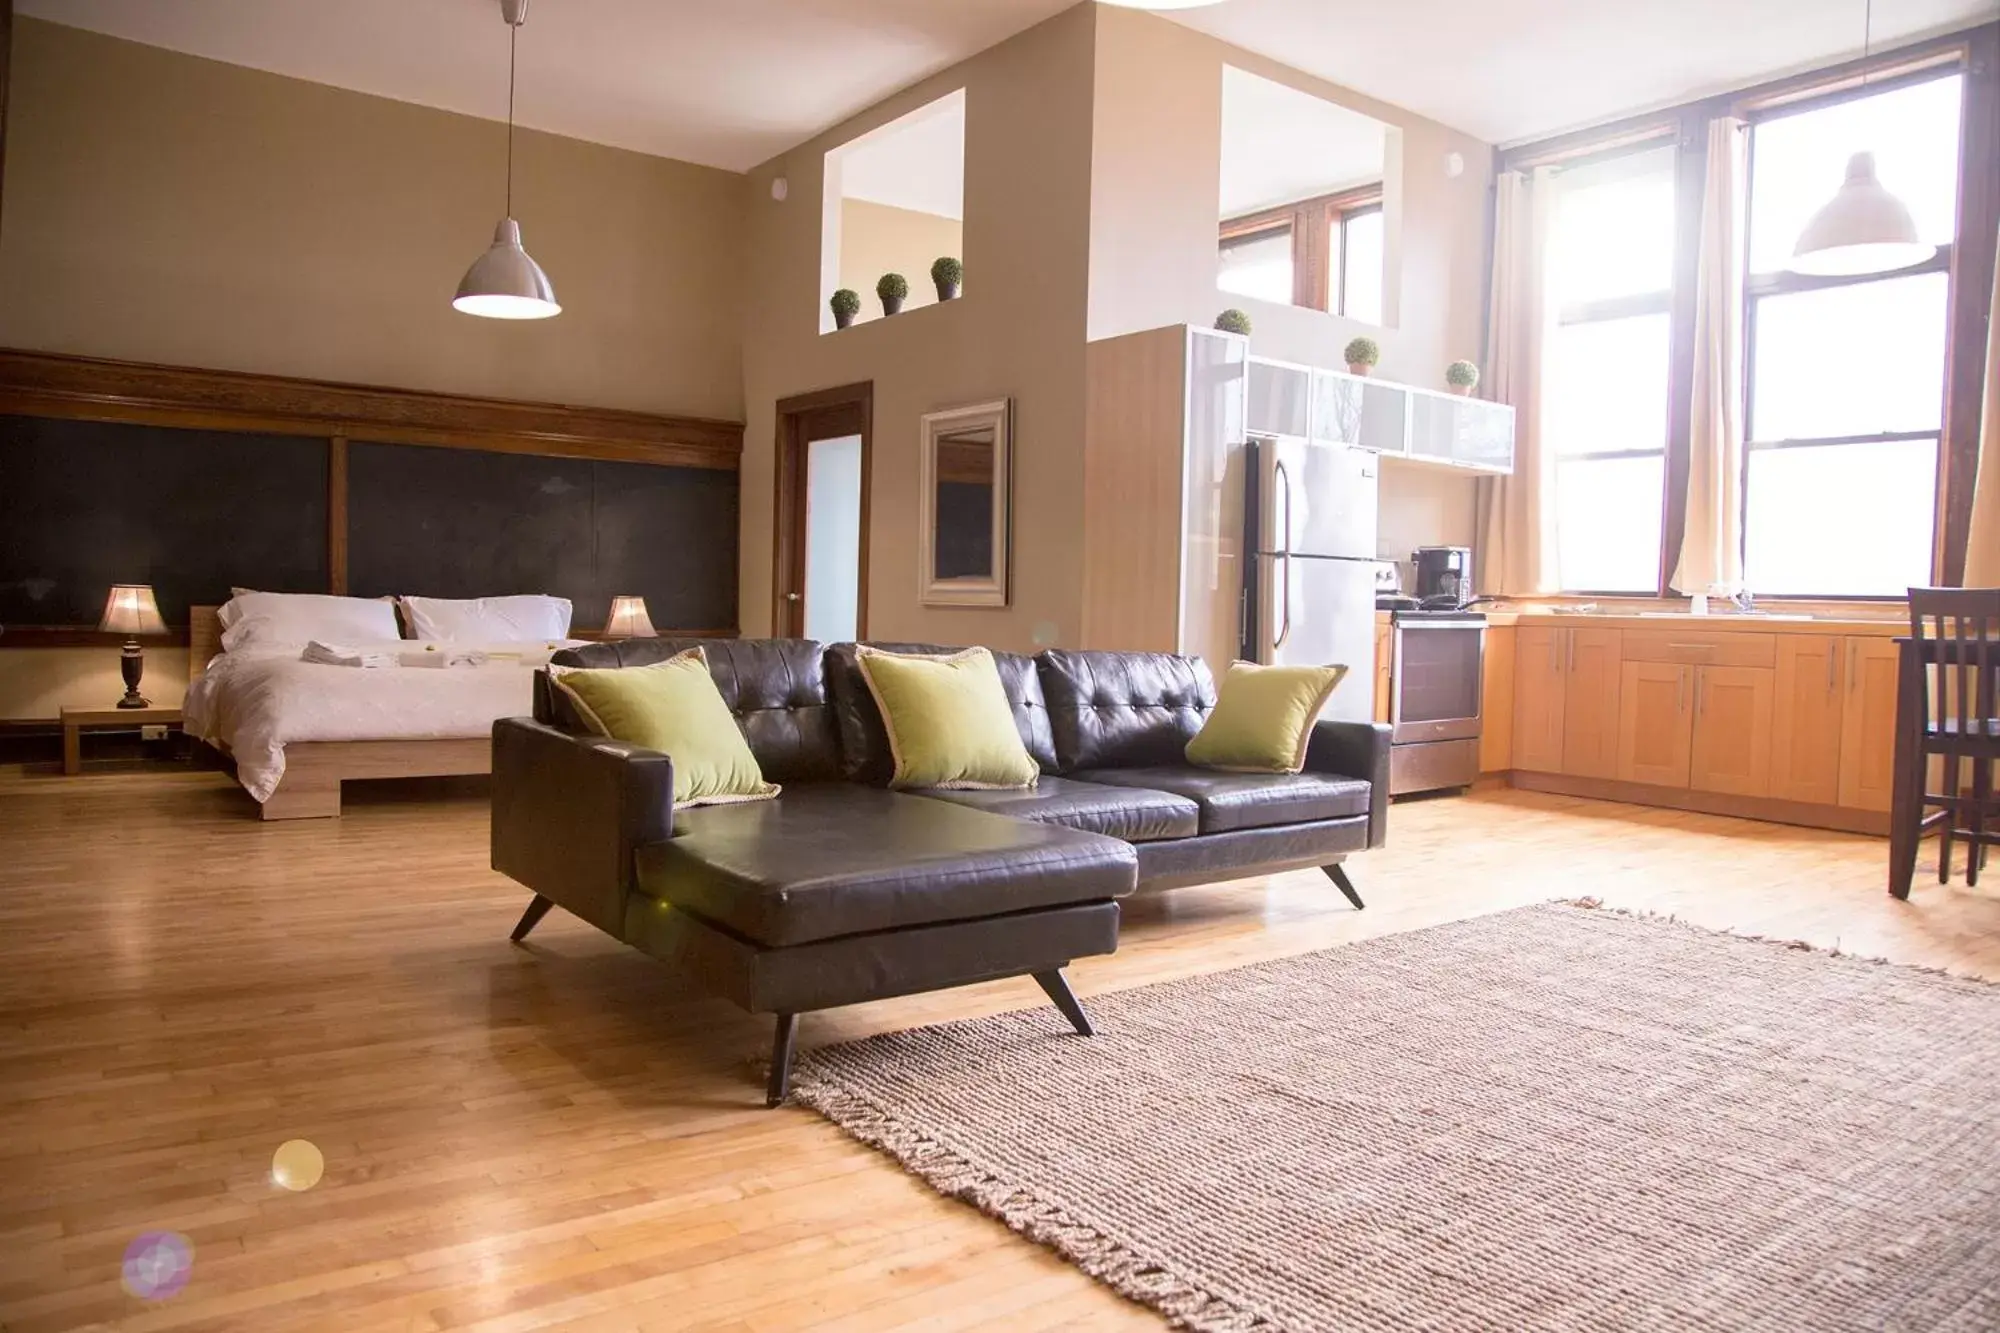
1284, 488
1284, 600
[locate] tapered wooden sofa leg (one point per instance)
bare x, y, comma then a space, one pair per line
780, 1086
531, 918
1338, 875
1056, 986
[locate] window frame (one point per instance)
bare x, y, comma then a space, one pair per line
1757, 288
1972, 52
1310, 222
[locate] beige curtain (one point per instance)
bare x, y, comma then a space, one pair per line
1517, 541
1982, 551
1711, 558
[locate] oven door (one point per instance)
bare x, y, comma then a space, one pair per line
1436, 678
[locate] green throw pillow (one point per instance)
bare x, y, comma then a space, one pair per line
673, 707
948, 720
1263, 718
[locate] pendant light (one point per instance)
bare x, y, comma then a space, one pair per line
504, 283
1863, 228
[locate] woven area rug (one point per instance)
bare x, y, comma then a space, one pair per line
1552, 1118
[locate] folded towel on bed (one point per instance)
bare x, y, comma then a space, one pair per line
333, 654
442, 655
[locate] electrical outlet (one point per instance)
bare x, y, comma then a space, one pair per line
152, 733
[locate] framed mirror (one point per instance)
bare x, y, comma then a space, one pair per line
965, 470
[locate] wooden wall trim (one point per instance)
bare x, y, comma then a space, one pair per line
56, 385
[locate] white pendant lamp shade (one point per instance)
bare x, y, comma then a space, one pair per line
1862, 229
505, 282
1162, 4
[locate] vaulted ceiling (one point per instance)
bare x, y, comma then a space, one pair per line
731, 83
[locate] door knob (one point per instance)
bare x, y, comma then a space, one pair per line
791, 597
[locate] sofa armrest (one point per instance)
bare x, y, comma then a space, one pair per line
569, 812
1356, 750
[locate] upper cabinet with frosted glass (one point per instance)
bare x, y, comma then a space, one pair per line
1396, 420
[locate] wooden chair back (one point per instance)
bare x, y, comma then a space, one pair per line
1958, 635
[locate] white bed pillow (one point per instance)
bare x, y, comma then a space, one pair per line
488, 619
284, 619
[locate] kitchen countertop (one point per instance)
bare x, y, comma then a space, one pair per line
1887, 626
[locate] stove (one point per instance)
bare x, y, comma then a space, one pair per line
1436, 683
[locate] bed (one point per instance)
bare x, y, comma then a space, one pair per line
297, 730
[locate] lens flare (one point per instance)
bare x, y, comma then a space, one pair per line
297, 1165
157, 1264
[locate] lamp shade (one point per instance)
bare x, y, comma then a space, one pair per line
629, 619
504, 283
1862, 229
131, 610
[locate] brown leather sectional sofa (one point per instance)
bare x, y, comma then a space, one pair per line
840, 891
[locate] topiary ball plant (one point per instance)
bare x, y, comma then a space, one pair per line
1462, 376
892, 288
845, 304
1362, 354
949, 275
1233, 320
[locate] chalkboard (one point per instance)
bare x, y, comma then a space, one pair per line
440, 522
86, 504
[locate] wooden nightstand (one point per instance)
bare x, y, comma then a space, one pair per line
76, 721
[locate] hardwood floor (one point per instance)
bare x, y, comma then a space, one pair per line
564, 1135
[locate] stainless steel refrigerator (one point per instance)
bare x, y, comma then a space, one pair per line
1309, 584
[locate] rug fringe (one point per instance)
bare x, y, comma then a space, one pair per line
1774, 941
1107, 1260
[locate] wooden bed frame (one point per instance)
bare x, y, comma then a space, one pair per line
314, 770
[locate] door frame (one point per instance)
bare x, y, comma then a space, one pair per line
848, 409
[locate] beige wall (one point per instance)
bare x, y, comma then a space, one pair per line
1418, 505
877, 239
161, 207
1018, 332
35, 683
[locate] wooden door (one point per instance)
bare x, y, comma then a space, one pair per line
1496, 703
1805, 718
1732, 730
1868, 724
1655, 723
1592, 668
1538, 698
829, 414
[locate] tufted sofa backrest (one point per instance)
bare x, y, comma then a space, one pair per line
864, 743
775, 687
1124, 710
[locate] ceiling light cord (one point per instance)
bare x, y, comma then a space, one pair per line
513, 44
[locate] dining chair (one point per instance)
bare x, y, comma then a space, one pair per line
1957, 638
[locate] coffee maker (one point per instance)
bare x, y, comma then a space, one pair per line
1443, 577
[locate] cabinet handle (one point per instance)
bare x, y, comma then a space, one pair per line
1680, 689
1832, 676
1692, 647
1852, 677
1569, 664
1700, 695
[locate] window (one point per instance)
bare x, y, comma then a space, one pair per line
1607, 364
1845, 376
894, 203
1355, 283
1258, 265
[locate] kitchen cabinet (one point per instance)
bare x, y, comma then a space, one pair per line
1384, 659
1593, 670
1461, 432
1731, 749
1539, 690
1806, 721
1868, 724
1496, 701
1280, 398
1656, 723
1566, 686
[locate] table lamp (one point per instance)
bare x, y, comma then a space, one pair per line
131, 610
629, 620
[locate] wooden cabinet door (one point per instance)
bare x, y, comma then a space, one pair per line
1496, 701
1539, 687
1384, 637
1732, 730
1655, 723
1806, 718
1868, 724
1592, 671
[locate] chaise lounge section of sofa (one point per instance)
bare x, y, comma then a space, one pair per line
840, 891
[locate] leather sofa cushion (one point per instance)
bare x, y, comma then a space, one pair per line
775, 687
864, 745
1124, 710
1232, 801
839, 859
1131, 813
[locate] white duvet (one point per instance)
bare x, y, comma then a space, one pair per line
252, 703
